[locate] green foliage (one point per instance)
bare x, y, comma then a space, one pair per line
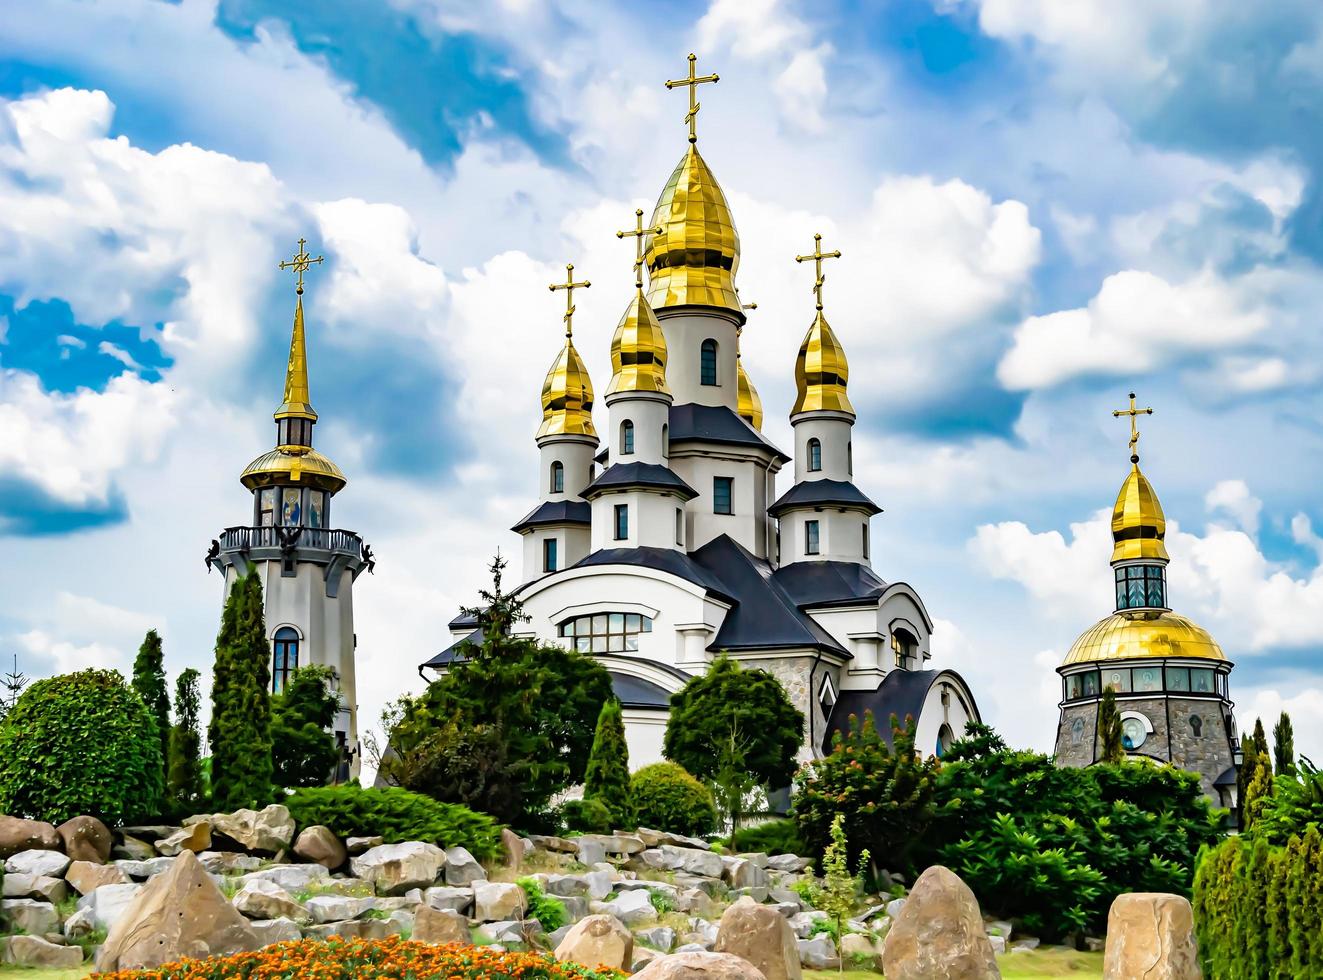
1296, 802
11, 686
586, 816
240, 729
840, 889
80, 743
184, 777
661, 902
1110, 747
396, 815
304, 752
607, 777
1258, 793
666, 797
1261, 740
1283, 744
735, 728
550, 912
773, 837
884, 794
150, 683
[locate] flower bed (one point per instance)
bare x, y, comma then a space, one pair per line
357, 959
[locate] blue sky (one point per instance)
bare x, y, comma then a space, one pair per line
1042, 206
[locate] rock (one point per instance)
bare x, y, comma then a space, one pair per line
785, 896
219, 862
270, 931
999, 944
510, 932
939, 933
449, 899
356, 929
999, 927
395, 868
599, 884
658, 937
132, 848
598, 940
35, 951
801, 924
80, 925
591, 852
742, 873
462, 868
762, 936
558, 845
154, 831
86, 839
632, 907
557, 936
643, 956
26, 835
338, 908
177, 914
87, 877
293, 878
43, 887
27, 914
439, 926
267, 831
758, 894
856, 946
656, 838
691, 860
693, 948
1024, 945
566, 885
818, 953
263, 899
1093, 944
37, 862
195, 838
108, 903
894, 907
319, 845
145, 869
787, 862
1150, 934
514, 848
699, 966
497, 901
357, 845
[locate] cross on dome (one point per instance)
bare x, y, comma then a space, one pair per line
638, 233
301, 263
1134, 414
817, 256
693, 81
569, 285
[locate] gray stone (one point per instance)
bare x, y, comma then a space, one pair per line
497, 901
357, 845
643, 956
145, 869
787, 862
998, 943
621, 844
515, 849
18, 835
740, 872
692, 948
818, 953
599, 884
599, 940
33, 951
438, 926
462, 868
1000, 927
703, 863
856, 946
264, 899
108, 903
395, 868
763, 937
1025, 945
699, 965
557, 936
356, 929
558, 845
195, 838
221, 862
785, 896
33, 917
895, 907
449, 899
757, 893
294, 878
509, 931
337, 908
80, 925
132, 848
319, 845
632, 907
35, 862
269, 931
562, 885
267, 831
656, 838
576, 906
42, 887
802, 924
591, 851
658, 937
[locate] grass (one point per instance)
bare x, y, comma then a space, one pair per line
1038, 964
24, 973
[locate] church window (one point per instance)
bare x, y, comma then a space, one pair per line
266, 507
1118, 679
1178, 678
945, 739
549, 555
1201, 680
291, 507
849, 458
285, 657
1196, 726
722, 491
814, 455
1090, 684
606, 632
865, 529
1148, 678
622, 521
708, 363
1073, 685
316, 509
810, 537
558, 477
679, 526
1134, 733
1141, 587
626, 437
666, 440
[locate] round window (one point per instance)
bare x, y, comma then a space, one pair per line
1133, 734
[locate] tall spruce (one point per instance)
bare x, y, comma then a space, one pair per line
1245, 772
1110, 747
607, 777
185, 765
1283, 745
304, 749
240, 729
1261, 744
150, 683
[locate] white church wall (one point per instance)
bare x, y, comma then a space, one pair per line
948, 704
645, 733
685, 333
577, 458
572, 542
749, 524
855, 628
840, 535
900, 608
833, 433
649, 416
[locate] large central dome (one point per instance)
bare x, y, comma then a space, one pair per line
1135, 636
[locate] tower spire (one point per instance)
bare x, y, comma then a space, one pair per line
569, 285
638, 233
817, 255
1134, 414
693, 81
297, 402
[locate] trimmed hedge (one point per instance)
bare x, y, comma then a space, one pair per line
773, 837
396, 815
587, 817
667, 798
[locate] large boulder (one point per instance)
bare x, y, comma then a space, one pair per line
338, 908
28, 915
691, 860
266, 831
43, 887
515, 849
263, 899
86, 876
1151, 935
395, 868
632, 907
86, 839
177, 914
438, 926
195, 837
462, 868
449, 899
939, 932
818, 952
497, 901
270, 931
37, 952
699, 966
762, 936
108, 903
319, 845
34, 863
598, 941
293, 878
26, 835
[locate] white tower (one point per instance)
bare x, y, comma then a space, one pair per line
306, 567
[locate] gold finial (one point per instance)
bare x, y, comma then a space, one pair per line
301, 263
1134, 414
638, 233
693, 81
817, 256
569, 285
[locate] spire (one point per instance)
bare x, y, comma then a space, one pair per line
567, 391
638, 348
821, 369
1139, 527
297, 402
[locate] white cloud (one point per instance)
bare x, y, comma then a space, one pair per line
68, 657
1233, 497
751, 28
1305, 706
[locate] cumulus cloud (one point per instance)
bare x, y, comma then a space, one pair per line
1304, 704
1233, 498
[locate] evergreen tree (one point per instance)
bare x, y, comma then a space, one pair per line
1110, 748
12, 684
1258, 793
185, 768
1261, 744
240, 729
1245, 773
1283, 745
304, 750
839, 892
607, 777
150, 683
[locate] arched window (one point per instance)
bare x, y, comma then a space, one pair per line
605, 632
708, 363
666, 440
626, 437
285, 657
815, 455
945, 739
557, 477
849, 458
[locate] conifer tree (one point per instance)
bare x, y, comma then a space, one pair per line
240, 730
839, 891
1245, 773
185, 767
1283, 745
1261, 744
607, 777
1110, 747
304, 749
150, 683
1257, 793
12, 684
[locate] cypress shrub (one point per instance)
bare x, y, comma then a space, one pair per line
304, 750
240, 730
149, 681
587, 816
607, 776
185, 768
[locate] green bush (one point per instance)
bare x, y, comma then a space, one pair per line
396, 815
81, 743
304, 752
667, 798
773, 837
586, 817
548, 911
1296, 801
606, 779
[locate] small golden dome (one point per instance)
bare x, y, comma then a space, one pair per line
749, 406
694, 258
1138, 524
821, 372
638, 350
293, 465
1129, 636
567, 396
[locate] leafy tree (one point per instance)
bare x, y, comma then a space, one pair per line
607, 777
185, 768
839, 891
1110, 747
1283, 744
12, 685
734, 728
303, 748
150, 683
240, 729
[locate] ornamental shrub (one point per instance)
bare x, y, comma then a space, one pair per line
149, 681
773, 837
240, 729
184, 771
396, 815
81, 743
549, 912
667, 798
607, 777
587, 816
303, 749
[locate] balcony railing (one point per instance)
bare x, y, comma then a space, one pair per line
332, 540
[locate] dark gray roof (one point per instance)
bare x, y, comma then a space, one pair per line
452, 653
1228, 777
635, 692
556, 512
901, 693
648, 475
462, 620
716, 423
823, 493
829, 583
663, 560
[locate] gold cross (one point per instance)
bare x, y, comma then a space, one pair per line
1134, 414
301, 262
693, 81
569, 285
817, 256
638, 234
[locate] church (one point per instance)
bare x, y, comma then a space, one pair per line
662, 542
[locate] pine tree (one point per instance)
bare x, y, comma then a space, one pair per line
185, 767
150, 683
240, 730
839, 891
1261, 744
12, 684
607, 777
1245, 772
1283, 745
1109, 730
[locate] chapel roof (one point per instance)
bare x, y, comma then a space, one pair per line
718, 424
551, 512
823, 493
651, 476
901, 693
826, 583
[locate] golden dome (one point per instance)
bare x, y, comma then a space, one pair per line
567, 397
293, 465
1138, 524
1129, 636
821, 372
638, 350
297, 402
748, 406
692, 261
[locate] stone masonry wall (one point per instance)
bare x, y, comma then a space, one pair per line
793, 673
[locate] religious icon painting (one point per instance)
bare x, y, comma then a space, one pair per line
314, 508
291, 512
1148, 679
1077, 731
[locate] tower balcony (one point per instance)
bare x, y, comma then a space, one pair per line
332, 549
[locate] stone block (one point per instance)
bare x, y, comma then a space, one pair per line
1151, 935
